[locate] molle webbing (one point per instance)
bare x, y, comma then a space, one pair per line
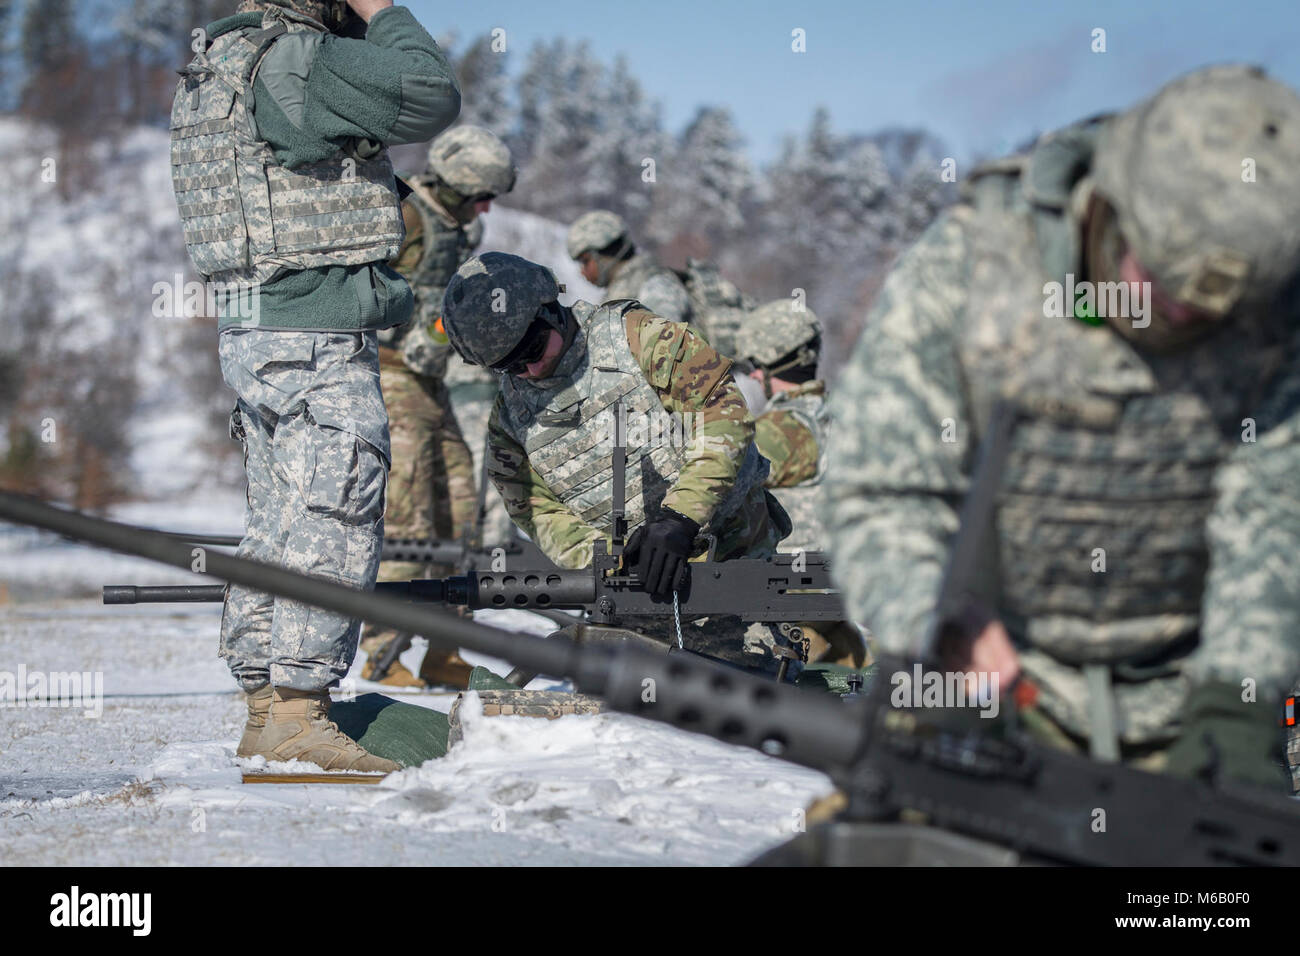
1107, 524
245, 217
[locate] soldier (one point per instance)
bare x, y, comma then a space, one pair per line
1146, 610
431, 486
781, 342
287, 193
599, 241
551, 432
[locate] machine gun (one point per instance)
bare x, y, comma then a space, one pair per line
968, 797
465, 554
781, 589
459, 553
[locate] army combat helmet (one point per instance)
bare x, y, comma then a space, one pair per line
335, 15
469, 165
497, 307
1200, 179
603, 234
779, 336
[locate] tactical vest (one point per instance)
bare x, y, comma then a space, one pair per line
567, 430
443, 249
630, 275
244, 216
1109, 482
717, 307
802, 501
1101, 525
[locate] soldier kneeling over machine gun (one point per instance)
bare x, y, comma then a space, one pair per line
577, 385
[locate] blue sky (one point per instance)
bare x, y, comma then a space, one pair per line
982, 74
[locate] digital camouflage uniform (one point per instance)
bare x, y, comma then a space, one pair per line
718, 308
655, 287
473, 390
432, 482
431, 485
621, 276
792, 434
299, 202
1135, 451
556, 479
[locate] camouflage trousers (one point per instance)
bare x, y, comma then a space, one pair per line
311, 419
472, 403
431, 492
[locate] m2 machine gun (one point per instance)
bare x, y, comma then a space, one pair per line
966, 797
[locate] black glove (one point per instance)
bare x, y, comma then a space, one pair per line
1241, 740
658, 552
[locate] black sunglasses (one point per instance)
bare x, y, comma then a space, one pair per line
529, 349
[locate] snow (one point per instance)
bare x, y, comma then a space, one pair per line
154, 780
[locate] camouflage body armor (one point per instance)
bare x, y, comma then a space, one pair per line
800, 501
445, 247
629, 276
246, 217
718, 308
1114, 469
567, 428
1102, 525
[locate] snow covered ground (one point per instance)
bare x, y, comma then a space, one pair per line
153, 780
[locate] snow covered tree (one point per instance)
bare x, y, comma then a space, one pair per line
49, 38
484, 93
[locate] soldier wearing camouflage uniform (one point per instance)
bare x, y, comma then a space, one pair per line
431, 485
1147, 610
552, 429
286, 193
781, 343
600, 243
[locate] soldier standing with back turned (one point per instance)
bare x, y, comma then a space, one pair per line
279, 128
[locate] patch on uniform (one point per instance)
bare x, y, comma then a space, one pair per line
524, 703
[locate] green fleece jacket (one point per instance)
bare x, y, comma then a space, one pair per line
311, 96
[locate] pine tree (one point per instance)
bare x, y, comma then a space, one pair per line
49, 36
484, 98
703, 195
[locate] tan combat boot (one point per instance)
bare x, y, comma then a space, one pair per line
259, 705
398, 675
373, 642
445, 668
299, 728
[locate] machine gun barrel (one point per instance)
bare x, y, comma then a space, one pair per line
416, 550
813, 729
1037, 801
781, 588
